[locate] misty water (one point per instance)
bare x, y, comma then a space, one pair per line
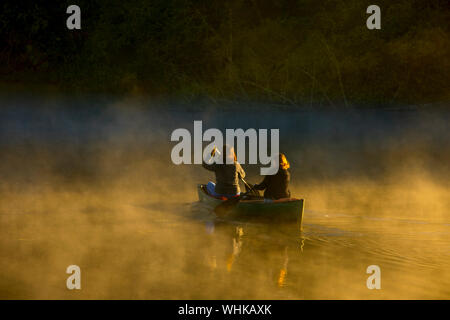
90, 182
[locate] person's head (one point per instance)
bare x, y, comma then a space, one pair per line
284, 163
229, 156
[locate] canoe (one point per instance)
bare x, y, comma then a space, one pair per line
282, 210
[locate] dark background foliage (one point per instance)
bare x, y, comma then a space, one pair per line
283, 51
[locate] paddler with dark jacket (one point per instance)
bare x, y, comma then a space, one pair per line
277, 186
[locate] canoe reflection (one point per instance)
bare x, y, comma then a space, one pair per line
238, 248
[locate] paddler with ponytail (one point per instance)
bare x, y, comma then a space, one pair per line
277, 186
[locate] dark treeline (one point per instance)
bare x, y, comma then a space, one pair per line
284, 51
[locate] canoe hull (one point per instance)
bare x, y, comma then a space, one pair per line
284, 210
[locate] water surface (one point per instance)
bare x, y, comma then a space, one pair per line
92, 184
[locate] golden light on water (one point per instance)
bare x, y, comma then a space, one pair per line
130, 220
282, 277
132, 243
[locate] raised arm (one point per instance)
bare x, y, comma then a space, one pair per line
240, 171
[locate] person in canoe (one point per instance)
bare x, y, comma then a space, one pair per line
228, 174
277, 186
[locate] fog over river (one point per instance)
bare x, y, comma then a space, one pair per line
90, 182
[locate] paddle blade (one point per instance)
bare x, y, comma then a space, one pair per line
225, 207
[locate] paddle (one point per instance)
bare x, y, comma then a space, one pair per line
213, 153
248, 186
225, 207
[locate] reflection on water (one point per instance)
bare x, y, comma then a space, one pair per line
101, 193
250, 246
328, 259
130, 248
